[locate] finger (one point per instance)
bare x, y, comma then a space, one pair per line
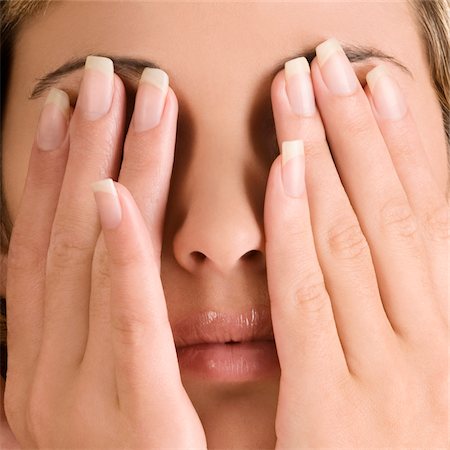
95, 144
144, 351
342, 249
146, 171
149, 149
31, 233
375, 192
307, 341
7, 438
407, 152
28, 249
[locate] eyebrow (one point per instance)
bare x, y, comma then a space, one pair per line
131, 68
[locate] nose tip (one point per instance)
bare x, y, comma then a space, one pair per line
220, 245
222, 265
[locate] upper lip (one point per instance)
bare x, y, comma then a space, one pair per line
210, 326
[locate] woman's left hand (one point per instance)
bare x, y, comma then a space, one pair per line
356, 265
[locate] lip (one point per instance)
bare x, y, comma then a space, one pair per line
227, 346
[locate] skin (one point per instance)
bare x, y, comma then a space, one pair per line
220, 85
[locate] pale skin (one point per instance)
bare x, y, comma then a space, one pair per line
364, 359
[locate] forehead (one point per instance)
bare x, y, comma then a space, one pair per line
232, 34
222, 46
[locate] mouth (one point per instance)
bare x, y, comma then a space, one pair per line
227, 346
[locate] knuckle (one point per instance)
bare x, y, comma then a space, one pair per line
317, 147
127, 257
346, 241
396, 217
102, 271
297, 231
356, 124
311, 295
100, 260
88, 135
437, 224
25, 252
130, 327
45, 173
139, 160
401, 144
69, 247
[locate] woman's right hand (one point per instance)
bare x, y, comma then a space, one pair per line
92, 361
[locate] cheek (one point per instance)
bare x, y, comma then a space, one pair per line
19, 125
427, 113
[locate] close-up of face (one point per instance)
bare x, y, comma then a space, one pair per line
221, 59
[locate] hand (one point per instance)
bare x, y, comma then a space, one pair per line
92, 361
356, 268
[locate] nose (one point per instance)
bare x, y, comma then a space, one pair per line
221, 230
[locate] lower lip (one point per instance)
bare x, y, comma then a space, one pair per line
246, 361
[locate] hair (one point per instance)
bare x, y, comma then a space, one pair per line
432, 18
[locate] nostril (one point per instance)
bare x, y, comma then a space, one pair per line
252, 254
198, 256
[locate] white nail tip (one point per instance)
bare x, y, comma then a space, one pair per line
156, 77
100, 63
291, 149
295, 66
374, 75
327, 49
106, 185
60, 99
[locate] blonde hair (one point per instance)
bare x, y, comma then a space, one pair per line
433, 22
433, 18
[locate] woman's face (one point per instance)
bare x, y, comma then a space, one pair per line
221, 59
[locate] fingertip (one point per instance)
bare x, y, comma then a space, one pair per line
172, 99
316, 77
108, 203
127, 202
273, 198
278, 84
132, 219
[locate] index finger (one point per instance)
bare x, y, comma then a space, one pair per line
144, 350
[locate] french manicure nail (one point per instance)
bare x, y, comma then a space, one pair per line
150, 99
299, 87
336, 70
293, 167
53, 121
96, 91
108, 203
387, 96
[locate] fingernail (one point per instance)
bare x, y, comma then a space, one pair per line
96, 91
150, 99
336, 70
293, 167
52, 127
108, 203
299, 87
387, 96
